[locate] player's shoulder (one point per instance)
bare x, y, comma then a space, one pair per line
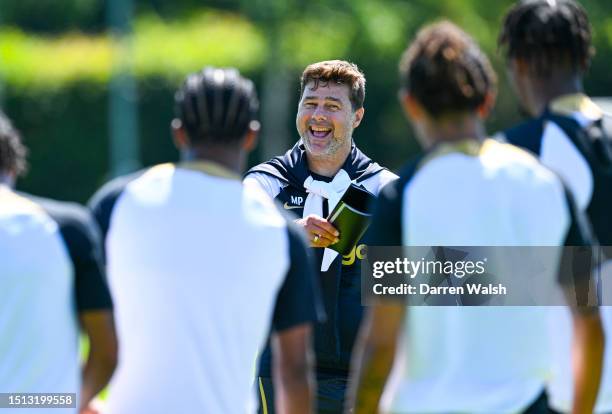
259, 207
505, 152
519, 167
66, 213
391, 193
530, 127
408, 171
376, 182
273, 168
74, 220
13, 203
386, 177
111, 190
264, 178
527, 134
18, 210
102, 203
159, 180
271, 184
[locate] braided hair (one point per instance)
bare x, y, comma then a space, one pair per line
547, 34
445, 70
216, 105
12, 152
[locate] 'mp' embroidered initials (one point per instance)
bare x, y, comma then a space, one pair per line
296, 202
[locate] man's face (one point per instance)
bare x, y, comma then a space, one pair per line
325, 119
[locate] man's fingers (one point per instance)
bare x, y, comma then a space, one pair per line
319, 238
320, 242
324, 224
322, 232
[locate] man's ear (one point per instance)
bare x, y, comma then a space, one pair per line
250, 139
518, 68
179, 135
358, 117
486, 107
412, 108
521, 66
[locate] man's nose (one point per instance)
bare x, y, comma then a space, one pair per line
319, 113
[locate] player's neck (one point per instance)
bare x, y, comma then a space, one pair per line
546, 91
229, 157
469, 127
328, 166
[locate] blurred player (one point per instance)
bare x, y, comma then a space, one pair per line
548, 50
309, 180
466, 190
51, 281
200, 266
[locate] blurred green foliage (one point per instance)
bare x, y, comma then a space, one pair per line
35, 63
55, 64
173, 49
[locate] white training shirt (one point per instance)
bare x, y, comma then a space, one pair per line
49, 271
38, 346
556, 150
196, 262
471, 359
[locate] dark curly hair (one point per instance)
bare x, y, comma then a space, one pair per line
547, 34
12, 151
445, 70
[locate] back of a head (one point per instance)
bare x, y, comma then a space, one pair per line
445, 71
216, 106
12, 151
340, 72
548, 35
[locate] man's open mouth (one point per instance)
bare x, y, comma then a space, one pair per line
319, 132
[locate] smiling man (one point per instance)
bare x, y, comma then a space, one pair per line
309, 180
